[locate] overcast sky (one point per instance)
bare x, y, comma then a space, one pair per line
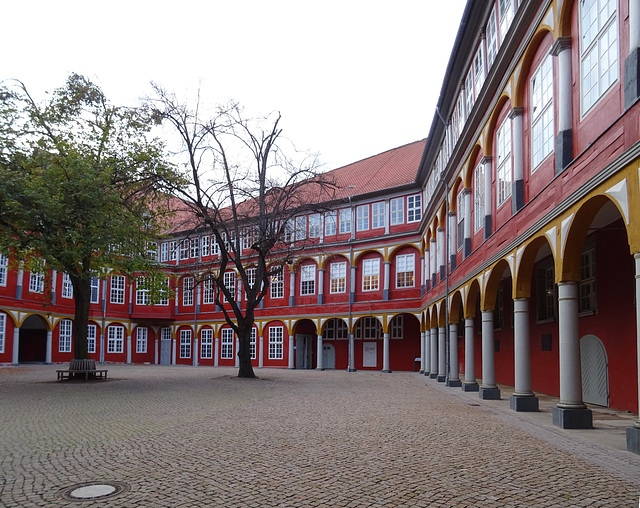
352, 78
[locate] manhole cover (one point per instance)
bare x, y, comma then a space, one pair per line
90, 491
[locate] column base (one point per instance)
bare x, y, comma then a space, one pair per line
633, 440
441, 379
489, 393
319, 368
524, 403
351, 370
386, 371
453, 383
421, 371
566, 418
470, 387
433, 376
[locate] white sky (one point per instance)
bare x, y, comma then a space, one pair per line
352, 78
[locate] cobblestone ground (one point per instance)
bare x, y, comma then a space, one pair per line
184, 436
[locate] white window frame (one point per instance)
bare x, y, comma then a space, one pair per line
4, 269
3, 330
542, 113
164, 251
397, 211
338, 277
405, 270
253, 342
185, 343
371, 274
314, 225
91, 338
506, 14
504, 162
206, 343
460, 218
478, 197
362, 218
142, 295
204, 246
414, 208
491, 38
277, 286
598, 48
194, 247
187, 291
378, 212
276, 343
36, 281
115, 339
330, 223
345, 221
479, 72
184, 249
67, 286
208, 291
229, 279
301, 228
173, 252
142, 334
64, 336
226, 344
307, 280
164, 293
95, 290
116, 294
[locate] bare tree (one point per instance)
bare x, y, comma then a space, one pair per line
246, 189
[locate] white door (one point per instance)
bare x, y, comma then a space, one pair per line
328, 356
369, 354
595, 373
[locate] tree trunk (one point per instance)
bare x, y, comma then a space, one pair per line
82, 297
244, 351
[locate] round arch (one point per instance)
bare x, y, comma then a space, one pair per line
528, 258
488, 300
525, 65
493, 120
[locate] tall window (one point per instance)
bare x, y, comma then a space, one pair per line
164, 293
215, 248
587, 286
141, 339
230, 284
184, 249
336, 329
362, 215
498, 313
187, 291
115, 339
64, 344
368, 328
204, 245
164, 251
289, 231
397, 327
377, 215
470, 97
405, 270
67, 287
330, 223
4, 264
36, 281
117, 289
314, 225
195, 247
252, 343
345, 221
206, 343
478, 69
371, 274
492, 38
504, 172
397, 211
3, 330
173, 252
307, 280
91, 338
142, 294
301, 228
277, 286
185, 343
226, 344
542, 138
276, 342
338, 275
251, 276
460, 220
478, 197
506, 16
95, 290
208, 293
546, 293
598, 49
414, 208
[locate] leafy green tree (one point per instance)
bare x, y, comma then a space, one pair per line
81, 187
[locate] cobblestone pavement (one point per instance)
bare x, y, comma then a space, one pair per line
198, 436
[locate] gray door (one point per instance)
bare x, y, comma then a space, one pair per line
328, 356
303, 351
595, 373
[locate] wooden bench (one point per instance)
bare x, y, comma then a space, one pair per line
78, 367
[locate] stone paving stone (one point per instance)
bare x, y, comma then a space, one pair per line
185, 436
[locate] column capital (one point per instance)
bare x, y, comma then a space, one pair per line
486, 159
561, 44
515, 112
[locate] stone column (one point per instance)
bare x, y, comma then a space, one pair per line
128, 347
47, 358
261, 351
571, 412
352, 284
433, 255
451, 226
442, 360
433, 339
291, 351
16, 346
195, 348
319, 363
385, 288
385, 353
292, 288
486, 162
523, 398
216, 350
488, 388
466, 193
633, 433
632, 62
320, 286
235, 352
517, 187
352, 361
564, 139
440, 250
173, 351
422, 353
453, 379
470, 384
156, 352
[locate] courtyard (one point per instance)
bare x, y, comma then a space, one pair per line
198, 436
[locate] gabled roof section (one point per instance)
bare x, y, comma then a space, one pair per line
393, 168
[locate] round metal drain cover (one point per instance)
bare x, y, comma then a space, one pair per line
90, 491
